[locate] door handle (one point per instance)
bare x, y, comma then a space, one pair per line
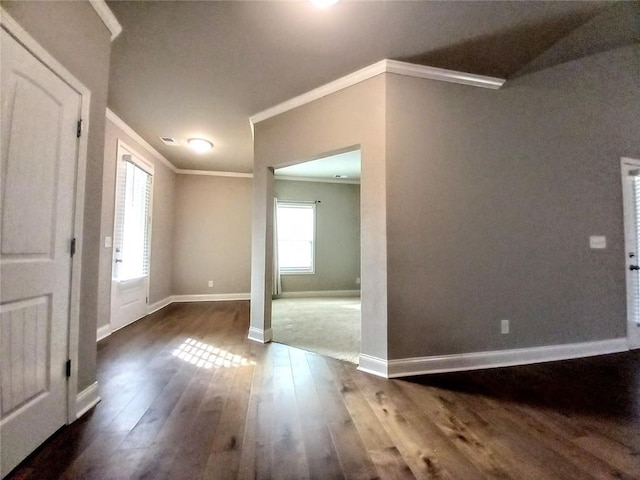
634, 267
119, 260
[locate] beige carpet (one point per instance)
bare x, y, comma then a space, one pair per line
328, 326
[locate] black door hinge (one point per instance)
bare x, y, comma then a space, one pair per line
73, 247
79, 128
68, 367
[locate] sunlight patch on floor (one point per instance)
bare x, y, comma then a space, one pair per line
207, 356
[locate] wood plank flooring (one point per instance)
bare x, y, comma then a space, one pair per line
186, 396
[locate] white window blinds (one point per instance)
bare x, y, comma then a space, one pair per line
132, 221
636, 280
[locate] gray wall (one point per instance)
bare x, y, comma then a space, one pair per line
164, 179
486, 206
76, 37
337, 260
212, 235
491, 199
351, 117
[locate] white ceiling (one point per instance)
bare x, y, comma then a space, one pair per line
326, 168
201, 69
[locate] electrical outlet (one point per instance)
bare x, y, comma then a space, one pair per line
211, 283
504, 327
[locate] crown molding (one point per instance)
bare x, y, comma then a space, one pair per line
442, 74
331, 87
316, 180
118, 122
213, 173
383, 66
107, 16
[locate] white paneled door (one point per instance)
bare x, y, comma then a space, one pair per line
132, 239
37, 195
631, 203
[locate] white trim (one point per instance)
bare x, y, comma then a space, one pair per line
501, 358
140, 161
383, 66
443, 75
317, 93
118, 122
23, 37
103, 332
107, 17
87, 399
154, 307
212, 297
316, 180
106, 330
213, 173
373, 365
259, 335
320, 294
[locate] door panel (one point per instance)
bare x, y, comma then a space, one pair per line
39, 155
132, 239
26, 326
27, 226
631, 204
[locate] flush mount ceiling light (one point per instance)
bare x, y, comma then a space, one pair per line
200, 145
323, 3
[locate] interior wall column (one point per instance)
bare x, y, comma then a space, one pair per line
262, 255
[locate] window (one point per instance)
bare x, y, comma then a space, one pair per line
132, 223
296, 237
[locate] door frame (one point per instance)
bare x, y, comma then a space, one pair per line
633, 330
74, 409
147, 166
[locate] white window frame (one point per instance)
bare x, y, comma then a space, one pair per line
124, 153
301, 270
629, 168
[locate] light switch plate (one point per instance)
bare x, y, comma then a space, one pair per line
108, 242
597, 241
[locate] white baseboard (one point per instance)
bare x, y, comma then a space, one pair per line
214, 297
154, 307
373, 365
320, 293
87, 399
499, 358
103, 332
259, 335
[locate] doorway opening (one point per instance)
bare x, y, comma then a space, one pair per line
132, 238
316, 294
631, 201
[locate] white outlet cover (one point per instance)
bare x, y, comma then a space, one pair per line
597, 242
504, 326
108, 242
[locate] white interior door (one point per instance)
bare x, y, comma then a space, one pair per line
631, 201
39, 160
132, 239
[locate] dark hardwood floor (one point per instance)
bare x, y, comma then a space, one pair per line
186, 396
